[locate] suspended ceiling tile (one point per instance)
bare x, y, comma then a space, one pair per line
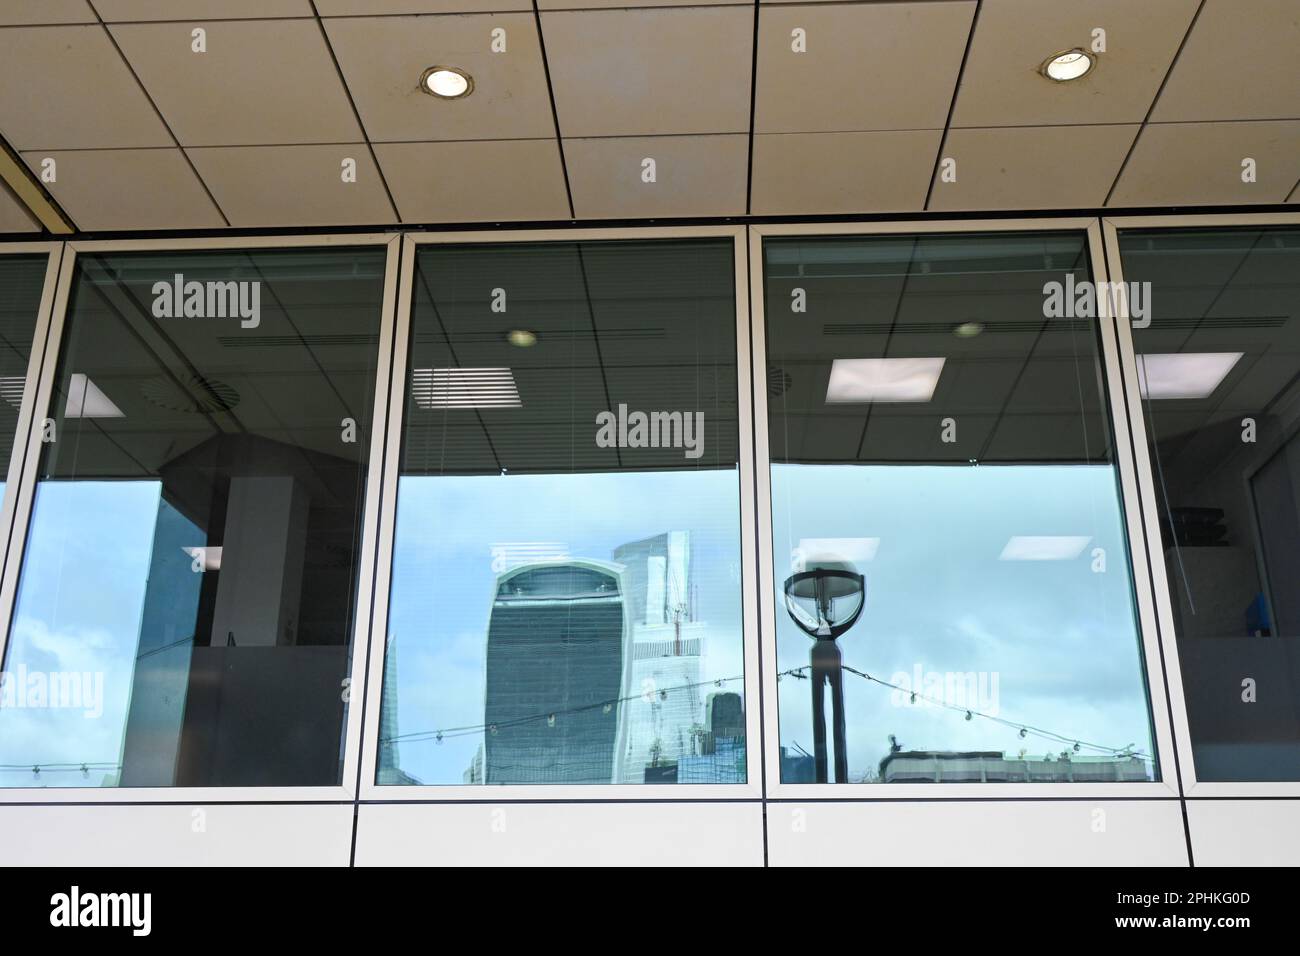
294, 185
694, 176
819, 173
46, 11
1239, 63
14, 216
616, 4
383, 58
1031, 167
485, 181
1201, 163
867, 66
119, 10
261, 82
109, 189
348, 8
1002, 86
651, 72
66, 87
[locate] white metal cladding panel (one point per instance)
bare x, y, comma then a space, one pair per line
556, 834
978, 833
1245, 832
177, 835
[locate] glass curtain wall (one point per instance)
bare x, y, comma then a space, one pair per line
185, 611
953, 599
566, 588
1217, 339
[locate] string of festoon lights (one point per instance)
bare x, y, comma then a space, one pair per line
36, 769
551, 718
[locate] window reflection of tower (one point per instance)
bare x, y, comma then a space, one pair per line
556, 669
664, 722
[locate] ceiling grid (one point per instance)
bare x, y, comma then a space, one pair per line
661, 109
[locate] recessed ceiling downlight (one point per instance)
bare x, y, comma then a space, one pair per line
446, 82
1069, 65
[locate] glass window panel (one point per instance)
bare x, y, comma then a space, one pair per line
186, 605
566, 602
948, 541
1218, 357
22, 279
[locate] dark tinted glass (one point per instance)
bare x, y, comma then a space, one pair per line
1219, 370
948, 539
187, 598
565, 604
21, 281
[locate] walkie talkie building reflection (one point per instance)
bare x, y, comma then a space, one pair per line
556, 672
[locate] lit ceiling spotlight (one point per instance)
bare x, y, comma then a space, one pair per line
521, 338
1069, 65
446, 82
968, 330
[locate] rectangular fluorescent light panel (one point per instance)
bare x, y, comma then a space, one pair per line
883, 380
1044, 547
843, 549
11, 389
87, 400
464, 388
1184, 374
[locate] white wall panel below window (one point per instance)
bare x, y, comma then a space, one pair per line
951, 833
556, 834
1245, 832
177, 835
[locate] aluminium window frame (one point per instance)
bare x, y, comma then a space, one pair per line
1112, 226
20, 519
53, 252
1144, 603
586, 793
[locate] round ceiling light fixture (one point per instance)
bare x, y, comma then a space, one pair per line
446, 82
1069, 65
521, 338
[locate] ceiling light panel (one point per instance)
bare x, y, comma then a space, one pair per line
855, 381
1183, 374
464, 388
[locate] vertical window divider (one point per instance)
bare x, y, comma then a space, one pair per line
368, 587
54, 252
20, 490
387, 518
1115, 355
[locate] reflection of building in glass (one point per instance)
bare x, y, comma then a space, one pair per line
720, 756
593, 675
664, 719
556, 669
390, 772
992, 766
